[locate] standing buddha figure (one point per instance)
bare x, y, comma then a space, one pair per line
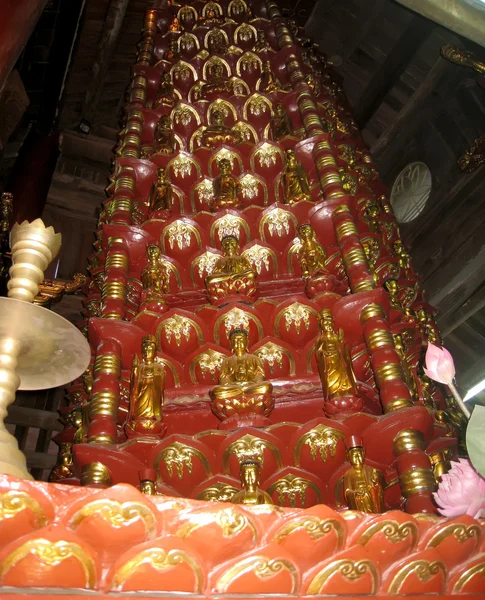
175, 25
408, 372
154, 276
363, 485
295, 180
146, 393
251, 494
164, 139
280, 122
226, 187
232, 274
335, 368
160, 193
311, 254
243, 396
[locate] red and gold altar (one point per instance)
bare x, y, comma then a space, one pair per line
255, 419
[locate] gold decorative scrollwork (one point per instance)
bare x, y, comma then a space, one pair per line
291, 487
393, 531
236, 319
250, 447
249, 187
260, 256
160, 560
182, 166
187, 9
188, 38
231, 522
246, 61
322, 440
180, 68
14, 502
219, 492
179, 233
205, 191
209, 361
51, 554
273, 354
461, 532
278, 222
296, 314
179, 327
257, 105
178, 457
183, 113
204, 264
266, 155
424, 570
247, 132
244, 33
262, 568
465, 577
214, 7
351, 570
315, 527
229, 224
117, 513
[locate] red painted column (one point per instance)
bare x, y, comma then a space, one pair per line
17, 20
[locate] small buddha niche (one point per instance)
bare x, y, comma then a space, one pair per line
312, 257
363, 485
281, 125
251, 494
243, 396
164, 138
160, 199
226, 187
295, 180
218, 133
217, 83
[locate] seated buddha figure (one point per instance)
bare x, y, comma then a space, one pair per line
160, 198
268, 82
232, 274
281, 124
218, 132
363, 485
251, 493
164, 139
146, 393
154, 277
295, 180
64, 468
217, 84
335, 368
165, 92
243, 396
311, 257
226, 187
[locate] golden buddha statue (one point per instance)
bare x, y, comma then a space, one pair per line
334, 361
251, 494
408, 372
363, 485
219, 133
232, 274
64, 467
161, 192
428, 327
262, 44
146, 393
172, 54
295, 180
392, 288
268, 82
440, 462
281, 124
311, 254
243, 396
217, 83
154, 277
404, 257
80, 421
175, 25
226, 187
371, 216
164, 139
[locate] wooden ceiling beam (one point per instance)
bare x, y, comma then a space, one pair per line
109, 36
425, 102
394, 65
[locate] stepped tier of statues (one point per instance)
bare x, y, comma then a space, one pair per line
256, 325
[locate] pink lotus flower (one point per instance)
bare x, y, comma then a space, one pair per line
439, 365
461, 491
